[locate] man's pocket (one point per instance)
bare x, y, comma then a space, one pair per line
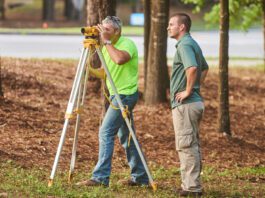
184, 139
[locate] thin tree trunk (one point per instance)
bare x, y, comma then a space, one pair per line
2, 9
69, 10
157, 71
223, 92
48, 10
147, 21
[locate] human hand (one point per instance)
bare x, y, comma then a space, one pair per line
182, 96
104, 33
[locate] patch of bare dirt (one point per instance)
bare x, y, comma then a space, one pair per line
36, 96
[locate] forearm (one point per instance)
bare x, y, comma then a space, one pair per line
118, 56
191, 75
203, 76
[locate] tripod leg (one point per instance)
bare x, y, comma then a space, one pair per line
75, 136
126, 119
79, 108
70, 108
77, 81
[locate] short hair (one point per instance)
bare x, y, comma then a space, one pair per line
115, 21
183, 19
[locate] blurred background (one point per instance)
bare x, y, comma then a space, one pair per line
25, 20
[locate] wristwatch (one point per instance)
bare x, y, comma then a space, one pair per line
108, 42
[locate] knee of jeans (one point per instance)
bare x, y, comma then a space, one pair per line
106, 134
126, 141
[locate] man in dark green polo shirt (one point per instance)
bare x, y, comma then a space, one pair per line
188, 72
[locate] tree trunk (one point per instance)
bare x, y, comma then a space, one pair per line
263, 9
223, 92
48, 10
97, 10
157, 71
147, 18
69, 10
136, 5
2, 9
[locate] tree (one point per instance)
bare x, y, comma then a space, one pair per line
68, 6
70, 12
103, 9
48, 10
2, 9
223, 89
157, 72
147, 21
243, 15
97, 10
263, 10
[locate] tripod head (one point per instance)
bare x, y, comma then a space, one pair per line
91, 34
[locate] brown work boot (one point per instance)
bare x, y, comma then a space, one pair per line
90, 182
184, 193
129, 182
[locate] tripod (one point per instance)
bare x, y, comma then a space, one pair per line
76, 102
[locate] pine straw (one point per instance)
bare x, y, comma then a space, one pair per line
36, 96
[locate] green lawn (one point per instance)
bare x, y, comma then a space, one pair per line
236, 182
128, 30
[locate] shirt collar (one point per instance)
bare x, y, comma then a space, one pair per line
187, 34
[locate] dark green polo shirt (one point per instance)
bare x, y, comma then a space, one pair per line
188, 54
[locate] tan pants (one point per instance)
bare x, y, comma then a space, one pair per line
186, 120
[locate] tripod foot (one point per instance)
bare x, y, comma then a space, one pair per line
154, 186
50, 182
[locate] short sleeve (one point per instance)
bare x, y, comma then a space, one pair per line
188, 57
129, 47
204, 64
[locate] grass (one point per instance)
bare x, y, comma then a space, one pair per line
235, 182
259, 67
127, 30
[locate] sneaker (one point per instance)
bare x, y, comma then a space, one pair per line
90, 182
184, 193
129, 182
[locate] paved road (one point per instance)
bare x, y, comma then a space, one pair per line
54, 46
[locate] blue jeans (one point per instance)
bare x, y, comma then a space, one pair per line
112, 125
